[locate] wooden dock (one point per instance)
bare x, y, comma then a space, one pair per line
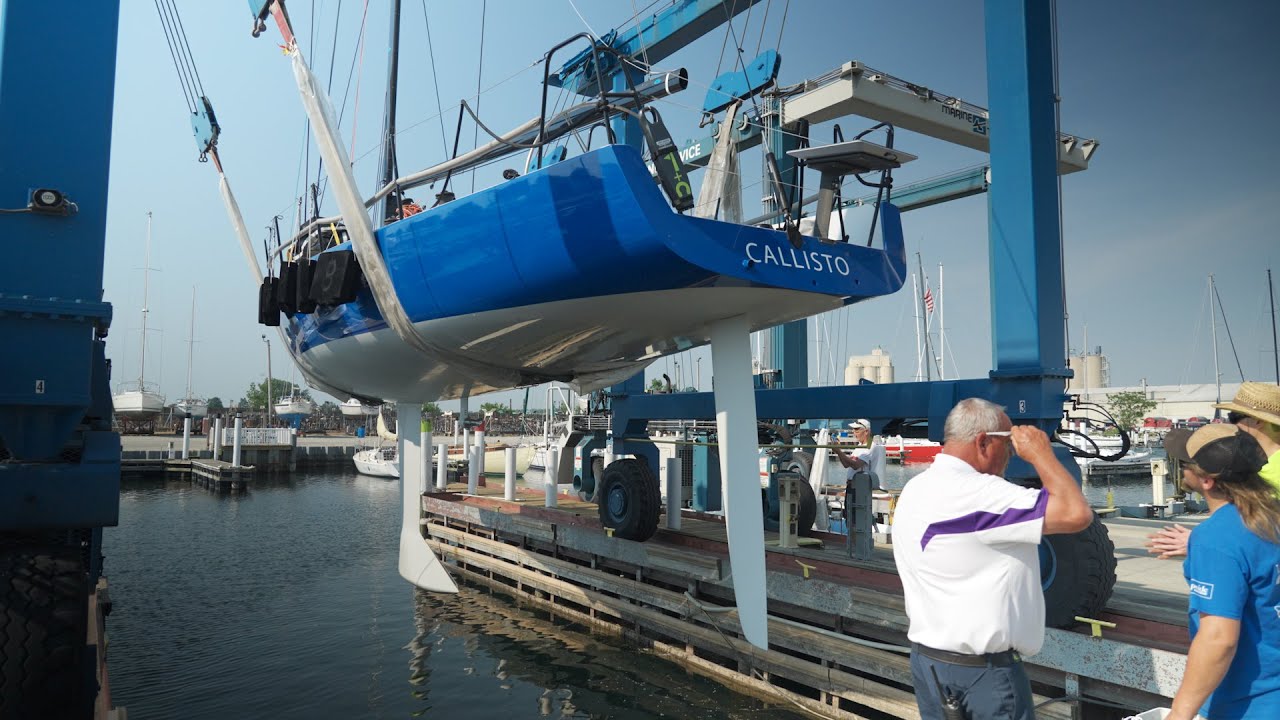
216, 475
831, 617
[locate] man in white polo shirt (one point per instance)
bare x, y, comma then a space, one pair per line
965, 542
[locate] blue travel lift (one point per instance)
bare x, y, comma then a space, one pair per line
1028, 339
59, 459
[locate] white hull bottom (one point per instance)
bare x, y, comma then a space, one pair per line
579, 341
134, 404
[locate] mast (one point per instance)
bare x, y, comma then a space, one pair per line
1213, 323
191, 340
1084, 362
942, 330
915, 314
146, 281
391, 204
927, 357
1275, 351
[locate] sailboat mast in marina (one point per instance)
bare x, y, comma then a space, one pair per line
140, 401
190, 405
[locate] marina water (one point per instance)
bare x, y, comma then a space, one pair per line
286, 602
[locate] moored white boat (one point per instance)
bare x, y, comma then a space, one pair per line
379, 462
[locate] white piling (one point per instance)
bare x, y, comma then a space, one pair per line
473, 470
466, 442
674, 493
552, 476
186, 438
235, 444
1159, 471
442, 467
424, 469
171, 456
509, 487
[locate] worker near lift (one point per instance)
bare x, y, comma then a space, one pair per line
1233, 572
869, 456
1256, 410
966, 544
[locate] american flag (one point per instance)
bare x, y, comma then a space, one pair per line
928, 299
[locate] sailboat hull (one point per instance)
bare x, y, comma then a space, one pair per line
191, 408
581, 273
137, 405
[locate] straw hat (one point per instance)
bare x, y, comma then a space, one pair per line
1257, 400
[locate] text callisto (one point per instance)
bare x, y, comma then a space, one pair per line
811, 260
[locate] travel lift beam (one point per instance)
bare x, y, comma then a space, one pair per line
855, 89
1028, 343
59, 459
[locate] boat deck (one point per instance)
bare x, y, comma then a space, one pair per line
819, 597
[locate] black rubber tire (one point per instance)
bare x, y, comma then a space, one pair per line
43, 621
1083, 575
629, 501
801, 463
808, 512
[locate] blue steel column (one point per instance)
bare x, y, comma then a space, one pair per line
57, 81
1029, 347
1026, 263
788, 342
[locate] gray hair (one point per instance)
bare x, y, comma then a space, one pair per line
970, 417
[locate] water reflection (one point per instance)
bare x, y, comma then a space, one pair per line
286, 602
529, 662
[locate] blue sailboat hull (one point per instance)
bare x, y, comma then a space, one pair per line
578, 272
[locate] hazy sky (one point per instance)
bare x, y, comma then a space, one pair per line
1180, 95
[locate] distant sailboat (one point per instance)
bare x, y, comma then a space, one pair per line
293, 409
190, 405
139, 400
354, 408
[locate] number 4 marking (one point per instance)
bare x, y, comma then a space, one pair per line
39, 387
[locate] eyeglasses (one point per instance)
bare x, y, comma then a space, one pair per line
999, 433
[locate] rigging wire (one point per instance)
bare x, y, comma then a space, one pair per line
171, 36
1230, 340
355, 114
783, 24
435, 81
764, 22
1195, 349
475, 135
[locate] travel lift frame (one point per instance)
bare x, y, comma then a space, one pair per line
60, 468
1026, 276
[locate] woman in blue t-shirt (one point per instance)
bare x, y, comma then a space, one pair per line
1233, 572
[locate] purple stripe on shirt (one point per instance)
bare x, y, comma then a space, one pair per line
983, 520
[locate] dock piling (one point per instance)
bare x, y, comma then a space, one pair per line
674, 500
509, 486
235, 446
474, 461
442, 467
552, 476
186, 438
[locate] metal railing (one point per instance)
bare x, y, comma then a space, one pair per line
281, 437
